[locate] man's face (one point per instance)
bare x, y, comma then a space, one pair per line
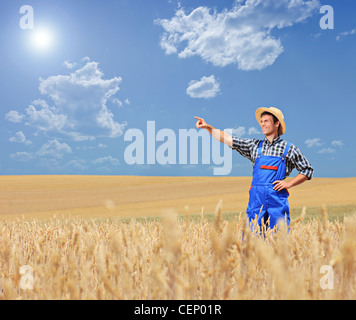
268, 126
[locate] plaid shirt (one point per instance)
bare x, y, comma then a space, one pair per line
294, 159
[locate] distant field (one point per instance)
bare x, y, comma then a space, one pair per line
131, 196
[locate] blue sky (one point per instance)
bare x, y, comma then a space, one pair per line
67, 101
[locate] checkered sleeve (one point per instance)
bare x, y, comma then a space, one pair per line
300, 162
246, 147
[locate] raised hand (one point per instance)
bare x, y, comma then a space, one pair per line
201, 124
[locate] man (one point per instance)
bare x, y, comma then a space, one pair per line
273, 160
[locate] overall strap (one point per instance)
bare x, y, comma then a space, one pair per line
259, 153
286, 150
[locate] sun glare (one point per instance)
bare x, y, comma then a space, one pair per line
42, 39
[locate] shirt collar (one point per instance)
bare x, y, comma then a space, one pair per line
276, 140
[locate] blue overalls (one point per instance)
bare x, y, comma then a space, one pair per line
266, 203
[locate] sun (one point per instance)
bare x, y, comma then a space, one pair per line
42, 39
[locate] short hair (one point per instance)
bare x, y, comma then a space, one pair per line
268, 113
275, 119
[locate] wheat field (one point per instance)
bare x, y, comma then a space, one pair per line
61, 255
131, 196
176, 259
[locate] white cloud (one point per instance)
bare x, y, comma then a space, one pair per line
46, 118
345, 34
240, 36
55, 149
20, 137
315, 142
316, 35
337, 143
108, 159
79, 164
253, 130
79, 104
327, 150
105, 120
206, 87
69, 65
238, 132
82, 97
241, 131
52, 150
118, 102
14, 116
52, 164
22, 156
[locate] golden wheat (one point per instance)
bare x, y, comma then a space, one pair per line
176, 258
124, 196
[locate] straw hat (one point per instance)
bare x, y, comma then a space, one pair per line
277, 113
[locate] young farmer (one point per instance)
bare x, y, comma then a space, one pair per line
273, 160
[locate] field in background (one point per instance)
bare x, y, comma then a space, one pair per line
129, 196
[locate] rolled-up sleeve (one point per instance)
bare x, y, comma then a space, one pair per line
244, 147
301, 163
